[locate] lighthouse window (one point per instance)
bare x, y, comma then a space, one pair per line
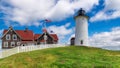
81, 42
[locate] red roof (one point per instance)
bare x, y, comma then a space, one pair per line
42, 40
25, 35
5, 31
26, 41
36, 36
54, 36
29, 35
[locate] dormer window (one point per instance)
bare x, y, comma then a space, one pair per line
14, 37
8, 37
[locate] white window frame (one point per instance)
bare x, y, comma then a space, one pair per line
5, 44
8, 37
18, 43
12, 44
14, 35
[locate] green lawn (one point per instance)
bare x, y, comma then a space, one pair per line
64, 57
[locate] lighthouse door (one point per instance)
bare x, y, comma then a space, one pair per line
81, 42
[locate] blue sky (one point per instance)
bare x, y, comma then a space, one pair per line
104, 21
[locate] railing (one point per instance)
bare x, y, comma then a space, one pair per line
19, 49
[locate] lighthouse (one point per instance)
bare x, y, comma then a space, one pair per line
81, 30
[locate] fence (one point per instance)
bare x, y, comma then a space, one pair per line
19, 49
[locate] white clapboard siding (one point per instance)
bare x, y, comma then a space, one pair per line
9, 52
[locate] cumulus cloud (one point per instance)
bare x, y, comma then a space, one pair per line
67, 24
1, 31
30, 12
110, 11
106, 39
73, 35
61, 31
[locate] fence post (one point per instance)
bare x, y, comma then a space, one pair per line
18, 49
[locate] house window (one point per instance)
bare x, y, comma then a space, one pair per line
8, 37
5, 44
18, 43
14, 37
23, 45
12, 44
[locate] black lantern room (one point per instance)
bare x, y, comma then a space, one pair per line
81, 12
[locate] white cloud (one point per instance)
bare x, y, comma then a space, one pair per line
105, 39
73, 35
29, 12
67, 24
1, 31
116, 29
86, 4
61, 31
110, 11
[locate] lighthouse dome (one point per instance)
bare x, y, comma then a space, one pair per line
81, 12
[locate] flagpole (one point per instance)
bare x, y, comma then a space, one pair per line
45, 38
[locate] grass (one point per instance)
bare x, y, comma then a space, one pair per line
64, 57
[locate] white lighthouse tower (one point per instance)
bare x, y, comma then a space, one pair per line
81, 30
